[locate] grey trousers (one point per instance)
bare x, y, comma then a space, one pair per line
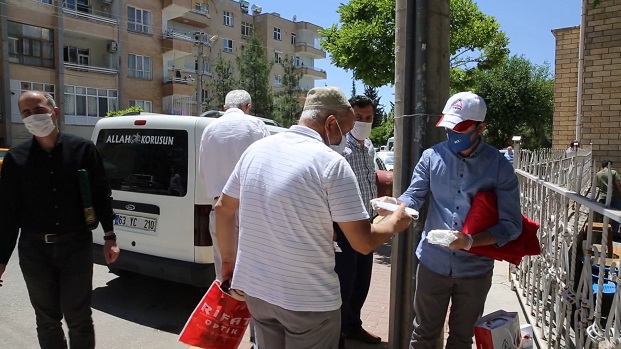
279, 328
433, 293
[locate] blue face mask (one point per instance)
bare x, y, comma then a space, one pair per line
459, 142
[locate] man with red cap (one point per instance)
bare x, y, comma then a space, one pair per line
449, 175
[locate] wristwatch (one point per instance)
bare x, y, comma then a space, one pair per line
111, 237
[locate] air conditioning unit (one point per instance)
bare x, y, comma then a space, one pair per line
112, 46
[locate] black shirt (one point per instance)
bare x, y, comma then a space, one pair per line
40, 191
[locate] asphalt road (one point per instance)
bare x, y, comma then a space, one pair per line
131, 311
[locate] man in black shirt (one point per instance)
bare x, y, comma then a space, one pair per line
40, 194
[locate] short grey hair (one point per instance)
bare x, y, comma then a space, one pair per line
237, 99
50, 99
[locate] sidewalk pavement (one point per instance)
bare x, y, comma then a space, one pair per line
375, 313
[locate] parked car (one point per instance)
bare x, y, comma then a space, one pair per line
388, 158
384, 178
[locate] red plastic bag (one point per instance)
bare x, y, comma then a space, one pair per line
484, 214
218, 322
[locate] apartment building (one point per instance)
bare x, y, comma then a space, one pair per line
97, 56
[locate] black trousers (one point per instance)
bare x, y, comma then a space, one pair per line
354, 271
59, 278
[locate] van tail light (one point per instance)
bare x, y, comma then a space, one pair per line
201, 225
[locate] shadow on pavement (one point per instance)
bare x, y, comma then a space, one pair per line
154, 303
382, 253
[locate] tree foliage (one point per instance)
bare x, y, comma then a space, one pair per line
287, 105
378, 116
379, 135
222, 83
128, 111
520, 101
254, 76
365, 41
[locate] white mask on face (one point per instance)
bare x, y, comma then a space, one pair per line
339, 148
40, 125
361, 130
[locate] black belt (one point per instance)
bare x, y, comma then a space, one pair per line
54, 238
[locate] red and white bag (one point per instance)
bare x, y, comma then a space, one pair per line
498, 330
218, 322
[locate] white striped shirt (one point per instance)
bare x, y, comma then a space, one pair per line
291, 187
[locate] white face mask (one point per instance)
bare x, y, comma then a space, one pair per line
339, 148
40, 125
361, 130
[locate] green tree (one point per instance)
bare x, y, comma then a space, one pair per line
287, 105
378, 116
353, 87
379, 135
129, 111
520, 101
222, 83
254, 76
365, 41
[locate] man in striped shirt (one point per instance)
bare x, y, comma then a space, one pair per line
289, 188
354, 268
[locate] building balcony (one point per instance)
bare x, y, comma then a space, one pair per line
179, 85
179, 43
90, 68
190, 12
311, 50
83, 19
312, 72
307, 26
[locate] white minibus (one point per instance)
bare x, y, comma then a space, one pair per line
162, 212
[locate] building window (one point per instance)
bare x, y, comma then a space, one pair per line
138, 20
79, 5
201, 7
139, 66
228, 18
293, 39
228, 45
247, 29
277, 80
85, 105
49, 2
277, 57
205, 67
30, 45
76, 55
297, 61
18, 87
147, 106
277, 35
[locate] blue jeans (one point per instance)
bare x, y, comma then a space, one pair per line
59, 278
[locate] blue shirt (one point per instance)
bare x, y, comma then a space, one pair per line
509, 157
451, 182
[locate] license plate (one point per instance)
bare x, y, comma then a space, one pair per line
142, 223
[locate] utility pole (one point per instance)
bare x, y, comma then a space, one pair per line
421, 89
200, 41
